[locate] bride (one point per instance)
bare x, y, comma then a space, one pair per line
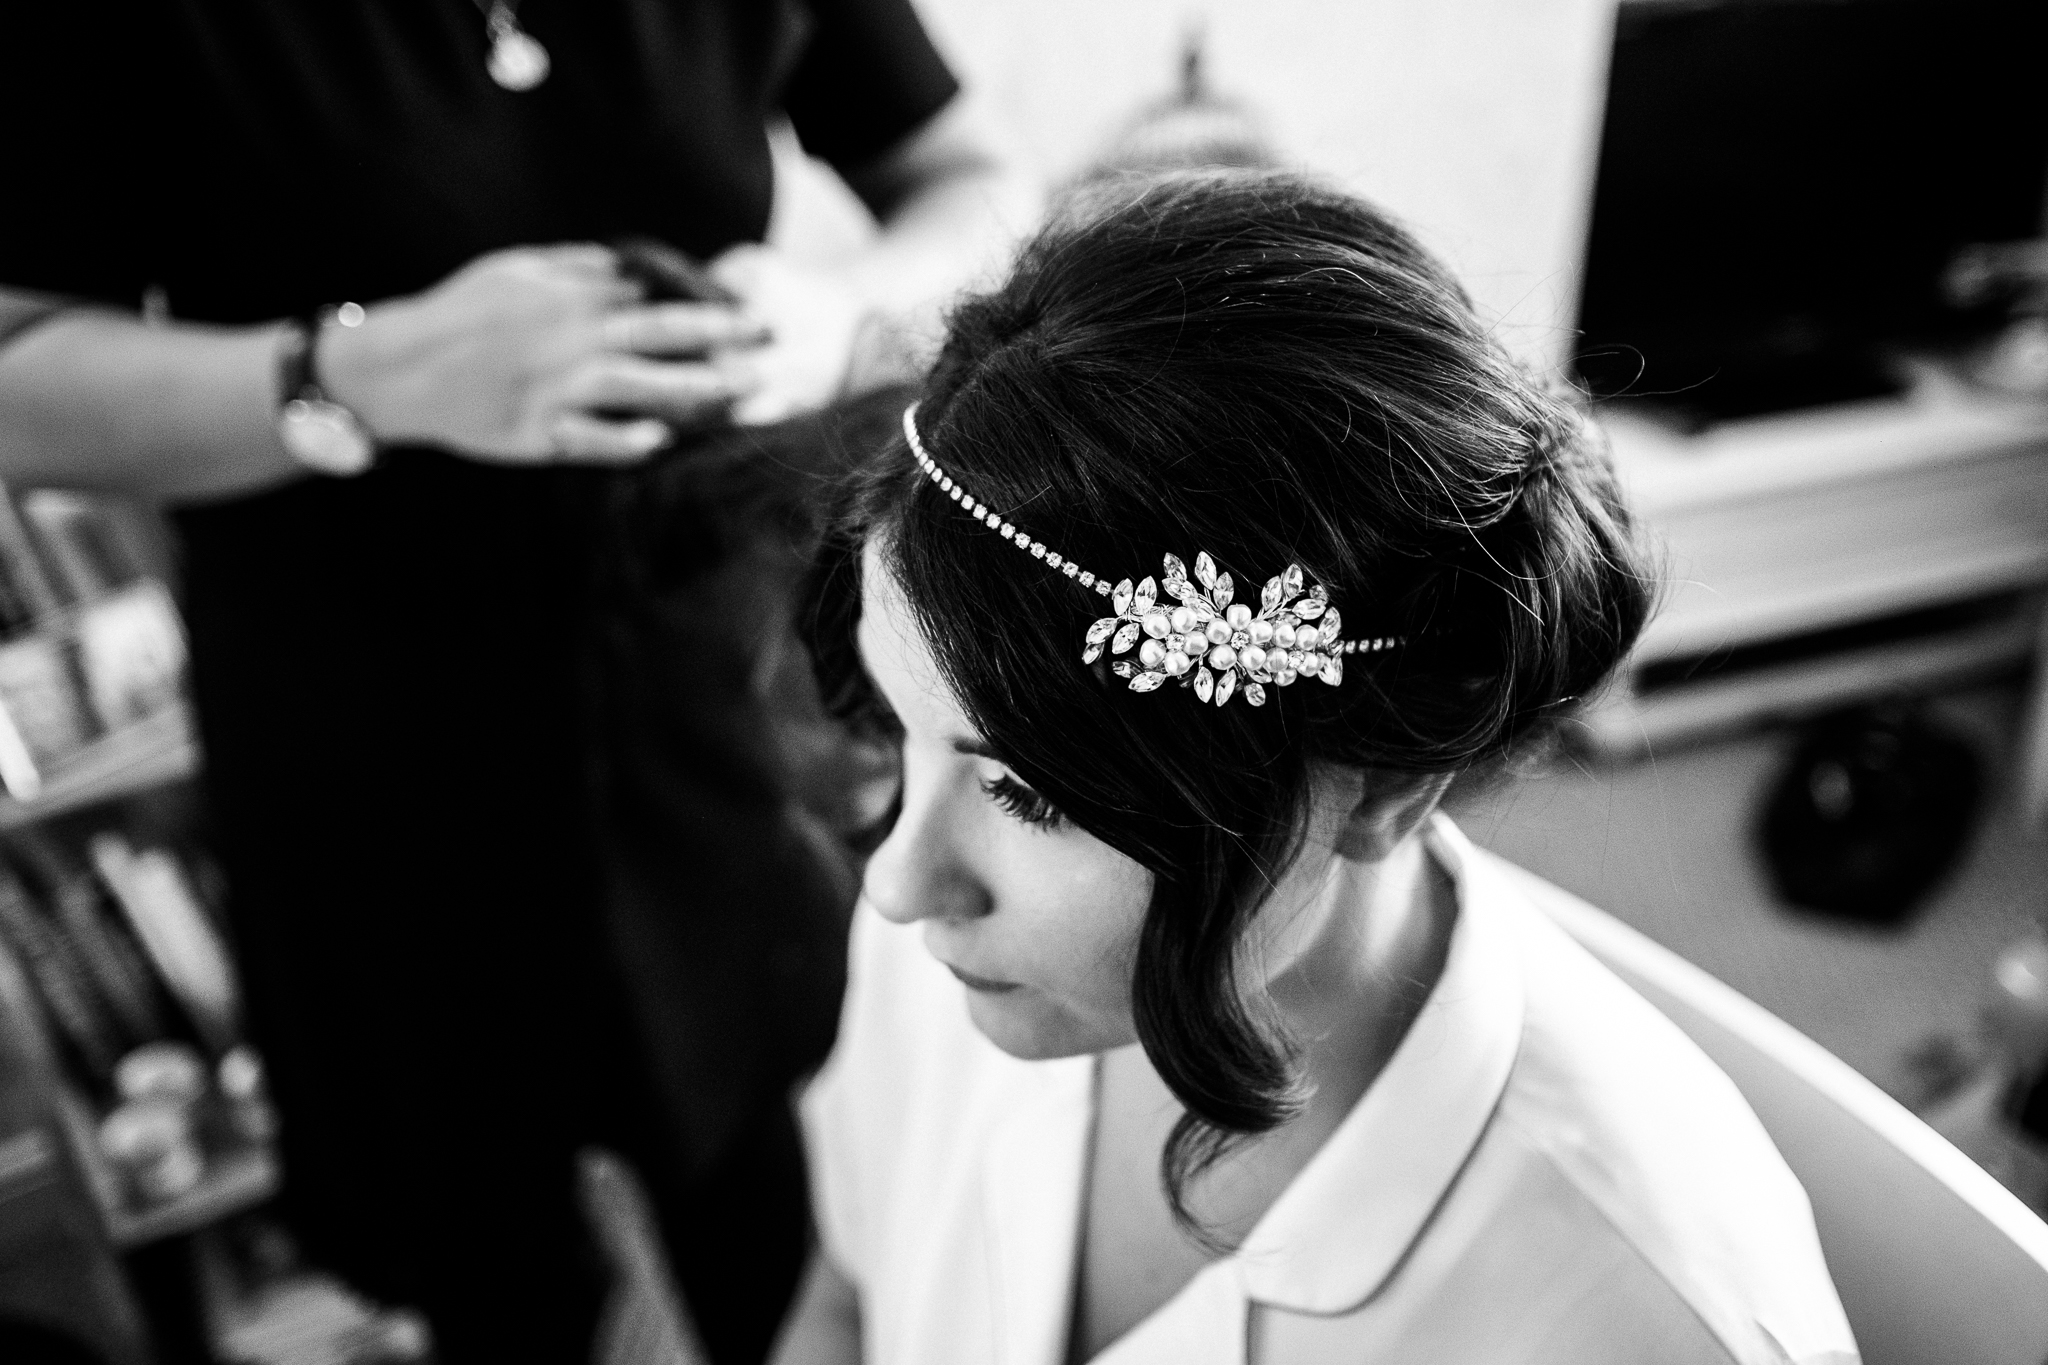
1182, 1028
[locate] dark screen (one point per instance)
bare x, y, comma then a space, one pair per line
1781, 183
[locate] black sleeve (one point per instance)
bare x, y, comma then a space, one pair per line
868, 77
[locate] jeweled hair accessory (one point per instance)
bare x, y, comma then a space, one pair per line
1199, 636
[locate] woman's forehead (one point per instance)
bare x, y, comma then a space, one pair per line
900, 660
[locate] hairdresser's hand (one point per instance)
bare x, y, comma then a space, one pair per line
817, 322
539, 355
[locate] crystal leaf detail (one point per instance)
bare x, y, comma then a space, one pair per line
1285, 600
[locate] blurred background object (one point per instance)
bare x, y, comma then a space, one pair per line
1192, 128
1476, 121
1872, 809
1782, 187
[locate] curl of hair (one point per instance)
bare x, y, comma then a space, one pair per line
1274, 372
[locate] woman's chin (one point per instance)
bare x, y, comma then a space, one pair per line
1023, 1024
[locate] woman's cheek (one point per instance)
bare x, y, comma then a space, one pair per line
1102, 914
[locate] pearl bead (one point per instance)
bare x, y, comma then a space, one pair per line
1151, 653
1177, 663
1311, 664
1183, 620
1238, 615
1156, 625
1261, 632
1218, 631
1222, 657
1283, 635
1306, 637
1283, 676
1252, 657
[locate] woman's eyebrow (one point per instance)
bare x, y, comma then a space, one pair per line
976, 748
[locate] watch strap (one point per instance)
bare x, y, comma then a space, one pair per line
318, 432
297, 375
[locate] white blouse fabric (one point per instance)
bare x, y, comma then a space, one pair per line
1547, 1172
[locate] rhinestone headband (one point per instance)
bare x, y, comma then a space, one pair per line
1220, 647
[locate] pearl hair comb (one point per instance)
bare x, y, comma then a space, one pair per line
1198, 635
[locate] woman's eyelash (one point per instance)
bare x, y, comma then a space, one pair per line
1022, 803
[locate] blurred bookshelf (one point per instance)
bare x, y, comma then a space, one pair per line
234, 1183
140, 755
135, 1111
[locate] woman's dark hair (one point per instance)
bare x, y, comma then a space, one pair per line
1274, 372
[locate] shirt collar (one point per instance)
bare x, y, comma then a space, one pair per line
1338, 1231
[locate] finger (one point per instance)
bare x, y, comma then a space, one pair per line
739, 268
586, 271
684, 393
580, 438
673, 329
582, 257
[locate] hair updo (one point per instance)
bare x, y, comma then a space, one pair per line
1256, 366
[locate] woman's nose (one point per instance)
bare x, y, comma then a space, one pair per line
918, 872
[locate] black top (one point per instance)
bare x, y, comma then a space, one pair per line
393, 672
257, 157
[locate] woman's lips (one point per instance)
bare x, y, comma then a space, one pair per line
981, 983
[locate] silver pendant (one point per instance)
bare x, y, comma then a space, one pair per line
517, 61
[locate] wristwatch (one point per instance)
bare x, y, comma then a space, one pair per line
318, 432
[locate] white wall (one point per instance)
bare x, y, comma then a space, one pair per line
1475, 120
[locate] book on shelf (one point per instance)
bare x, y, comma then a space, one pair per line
167, 915
81, 1022
90, 545
27, 583
83, 911
131, 652
43, 719
90, 640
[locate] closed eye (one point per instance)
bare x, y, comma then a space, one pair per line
1021, 803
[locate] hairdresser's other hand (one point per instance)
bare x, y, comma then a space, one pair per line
540, 355
816, 320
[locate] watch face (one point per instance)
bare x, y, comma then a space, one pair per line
325, 437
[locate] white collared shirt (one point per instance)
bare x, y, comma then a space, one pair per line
1547, 1172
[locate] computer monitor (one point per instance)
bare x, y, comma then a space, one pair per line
1781, 184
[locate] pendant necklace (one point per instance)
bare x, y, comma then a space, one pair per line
517, 61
